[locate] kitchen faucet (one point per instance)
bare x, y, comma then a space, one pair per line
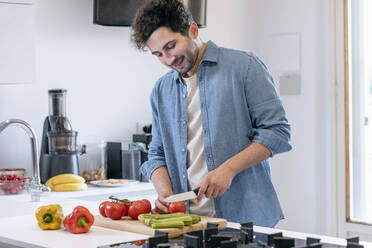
35, 187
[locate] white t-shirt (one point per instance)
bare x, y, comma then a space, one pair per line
197, 165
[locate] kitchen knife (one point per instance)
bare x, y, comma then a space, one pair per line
183, 196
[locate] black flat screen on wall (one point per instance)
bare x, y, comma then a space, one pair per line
115, 12
122, 12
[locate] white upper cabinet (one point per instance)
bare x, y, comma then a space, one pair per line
17, 46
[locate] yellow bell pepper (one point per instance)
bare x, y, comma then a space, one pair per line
49, 217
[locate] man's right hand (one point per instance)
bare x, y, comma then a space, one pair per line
162, 183
161, 207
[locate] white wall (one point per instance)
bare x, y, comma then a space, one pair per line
109, 83
304, 177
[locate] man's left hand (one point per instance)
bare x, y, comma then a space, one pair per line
216, 182
219, 180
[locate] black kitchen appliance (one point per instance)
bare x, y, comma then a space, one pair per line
58, 153
122, 12
246, 237
124, 159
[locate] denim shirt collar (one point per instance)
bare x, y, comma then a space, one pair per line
210, 55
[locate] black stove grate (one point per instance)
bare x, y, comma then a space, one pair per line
211, 237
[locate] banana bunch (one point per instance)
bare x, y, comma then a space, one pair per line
66, 182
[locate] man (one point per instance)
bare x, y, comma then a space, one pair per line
217, 118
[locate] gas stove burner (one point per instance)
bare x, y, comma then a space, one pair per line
245, 237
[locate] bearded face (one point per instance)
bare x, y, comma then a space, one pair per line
174, 50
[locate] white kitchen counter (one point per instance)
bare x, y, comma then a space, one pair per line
18, 225
23, 231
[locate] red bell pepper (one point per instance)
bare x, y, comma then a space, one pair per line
79, 221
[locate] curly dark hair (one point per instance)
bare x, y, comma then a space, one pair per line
159, 13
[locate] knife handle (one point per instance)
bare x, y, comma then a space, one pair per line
196, 191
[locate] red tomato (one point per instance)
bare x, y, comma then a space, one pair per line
148, 205
102, 207
114, 210
137, 208
125, 208
127, 203
138, 242
176, 207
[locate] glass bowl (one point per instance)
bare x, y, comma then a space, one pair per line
12, 185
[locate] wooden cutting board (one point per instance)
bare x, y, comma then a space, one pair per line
136, 226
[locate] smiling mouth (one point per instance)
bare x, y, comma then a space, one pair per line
178, 61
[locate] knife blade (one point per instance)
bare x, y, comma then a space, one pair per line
183, 196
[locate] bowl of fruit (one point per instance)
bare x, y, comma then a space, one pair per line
12, 184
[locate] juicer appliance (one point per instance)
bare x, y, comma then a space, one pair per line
58, 153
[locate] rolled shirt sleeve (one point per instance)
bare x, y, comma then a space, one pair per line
270, 126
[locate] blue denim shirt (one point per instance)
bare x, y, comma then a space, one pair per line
239, 105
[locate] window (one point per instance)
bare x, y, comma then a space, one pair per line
358, 96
